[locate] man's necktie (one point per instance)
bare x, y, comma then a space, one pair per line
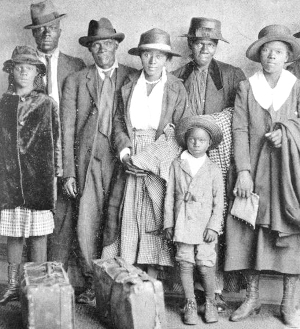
106, 98
48, 77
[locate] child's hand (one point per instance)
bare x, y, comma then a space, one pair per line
169, 232
209, 235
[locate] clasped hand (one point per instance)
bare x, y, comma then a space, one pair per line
131, 167
275, 137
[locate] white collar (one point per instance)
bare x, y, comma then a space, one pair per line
54, 54
163, 79
112, 68
267, 96
194, 163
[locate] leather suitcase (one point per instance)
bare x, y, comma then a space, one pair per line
47, 298
127, 297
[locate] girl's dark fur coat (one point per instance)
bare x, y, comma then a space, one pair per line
29, 151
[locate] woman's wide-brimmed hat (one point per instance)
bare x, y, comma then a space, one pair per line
273, 33
205, 28
100, 30
205, 122
154, 39
43, 14
24, 55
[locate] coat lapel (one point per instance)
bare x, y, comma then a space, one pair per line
214, 89
92, 83
168, 102
184, 165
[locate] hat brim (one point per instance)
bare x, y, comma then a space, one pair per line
137, 51
205, 122
32, 27
86, 41
9, 65
194, 37
253, 50
297, 35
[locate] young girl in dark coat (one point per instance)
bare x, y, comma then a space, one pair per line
29, 161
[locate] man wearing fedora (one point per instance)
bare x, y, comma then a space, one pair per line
295, 66
211, 86
88, 106
46, 32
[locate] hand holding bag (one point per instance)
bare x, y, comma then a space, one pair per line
246, 209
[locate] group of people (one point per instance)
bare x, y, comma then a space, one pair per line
120, 162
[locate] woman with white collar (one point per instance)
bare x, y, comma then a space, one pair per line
150, 100
268, 99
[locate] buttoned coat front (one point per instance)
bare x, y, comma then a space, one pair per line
193, 204
221, 86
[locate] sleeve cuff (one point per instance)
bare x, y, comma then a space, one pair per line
125, 151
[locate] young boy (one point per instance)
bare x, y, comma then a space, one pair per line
193, 210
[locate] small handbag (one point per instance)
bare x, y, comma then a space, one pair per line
246, 209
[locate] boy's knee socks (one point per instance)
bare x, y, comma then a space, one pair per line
207, 275
187, 278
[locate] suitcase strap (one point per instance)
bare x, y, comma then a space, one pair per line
54, 273
144, 277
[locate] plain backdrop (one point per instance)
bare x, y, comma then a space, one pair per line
241, 21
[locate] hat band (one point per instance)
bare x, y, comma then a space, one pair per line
159, 46
45, 19
207, 33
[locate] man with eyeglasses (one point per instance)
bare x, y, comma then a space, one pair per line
46, 32
88, 106
212, 86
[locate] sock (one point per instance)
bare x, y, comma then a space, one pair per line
187, 279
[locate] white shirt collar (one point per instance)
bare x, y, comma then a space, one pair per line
194, 163
112, 69
267, 96
55, 53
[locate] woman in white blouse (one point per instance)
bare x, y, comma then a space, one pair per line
150, 100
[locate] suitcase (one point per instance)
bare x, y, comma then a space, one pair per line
47, 298
127, 297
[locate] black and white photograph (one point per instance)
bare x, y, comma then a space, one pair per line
150, 164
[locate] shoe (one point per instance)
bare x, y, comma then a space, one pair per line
220, 303
251, 305
12, 291
190, 315
290, 315
211, 312
87, 297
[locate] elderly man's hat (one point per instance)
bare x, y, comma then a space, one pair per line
100, 30
43, 14
205, 28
